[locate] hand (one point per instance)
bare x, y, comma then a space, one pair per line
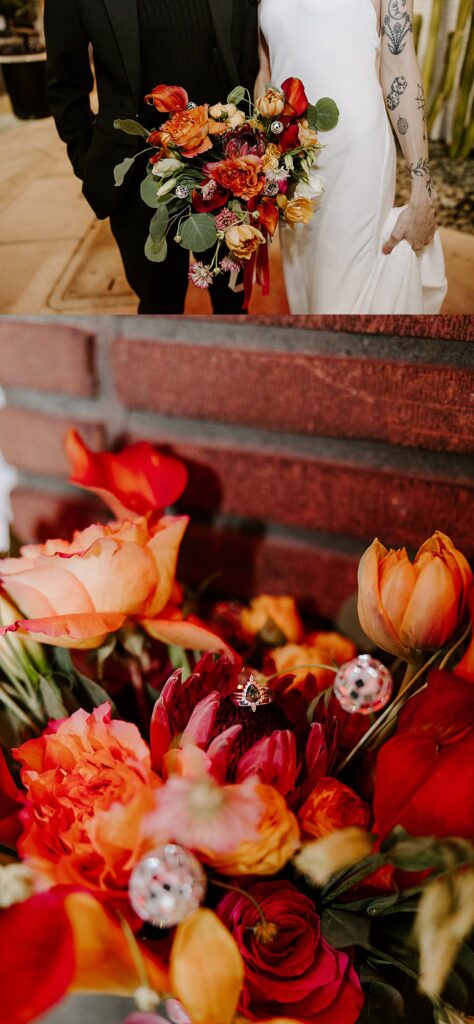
417, 224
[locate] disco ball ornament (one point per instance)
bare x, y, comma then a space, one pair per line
272, 188
363, 685
181, 192
167, 886
191, 105
277, 128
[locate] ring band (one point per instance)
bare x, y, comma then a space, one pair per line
251, 695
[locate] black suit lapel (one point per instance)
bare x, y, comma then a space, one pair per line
221, 12
123, 15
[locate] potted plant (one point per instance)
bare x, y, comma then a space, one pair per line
23, 58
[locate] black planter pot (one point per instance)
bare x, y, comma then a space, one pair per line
25, 82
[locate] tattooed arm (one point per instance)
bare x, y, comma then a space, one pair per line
404, 98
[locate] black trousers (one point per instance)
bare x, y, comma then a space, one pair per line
160, 287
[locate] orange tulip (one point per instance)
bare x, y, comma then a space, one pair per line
406, 607
167, 98
279, 612
206, 969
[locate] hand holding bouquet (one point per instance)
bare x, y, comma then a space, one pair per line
220, 180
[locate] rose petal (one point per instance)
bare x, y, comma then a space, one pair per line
206, 969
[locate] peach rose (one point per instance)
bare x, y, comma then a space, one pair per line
331, 806
299, 211
240, 175
229, 113
89, 785
306, 135
189, 131
266, 611
243, 239
73, 594
271, 104
277, 841
271, 157
406, 607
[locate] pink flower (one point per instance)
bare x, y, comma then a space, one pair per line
200, 275
200, 814
226, 219
229, 265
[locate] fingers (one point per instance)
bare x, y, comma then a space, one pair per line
395, 238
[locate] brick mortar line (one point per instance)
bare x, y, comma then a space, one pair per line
231, 523
270, 337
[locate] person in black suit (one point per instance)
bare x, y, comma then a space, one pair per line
206, 46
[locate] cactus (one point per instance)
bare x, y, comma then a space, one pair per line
463, 130
432, 45
455, 55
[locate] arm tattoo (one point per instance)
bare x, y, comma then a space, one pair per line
421, 104
397, 89
422, 170
397, 24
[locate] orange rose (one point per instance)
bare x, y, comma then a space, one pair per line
271, 104
89, 785
299, 211
240, 175
189, 131
319, 649
73, 594
306, 135
266, 611
277, 842
243, 239
406, 607
332, 806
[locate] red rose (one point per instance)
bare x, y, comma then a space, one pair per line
288, 965
425, 773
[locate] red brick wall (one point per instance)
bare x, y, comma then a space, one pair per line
303, 442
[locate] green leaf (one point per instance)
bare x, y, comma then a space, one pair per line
148, 192
156, 252
159, 224
131, 127
324, 115
341, 928
121, 170
237, 95
385, 996
52, 699
198, 233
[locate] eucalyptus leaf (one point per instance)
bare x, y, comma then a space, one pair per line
237, 95
324, 115
121, 170
131, 127
159, 224
198, 233
156, 252
149, 192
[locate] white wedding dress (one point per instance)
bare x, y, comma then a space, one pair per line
335, 264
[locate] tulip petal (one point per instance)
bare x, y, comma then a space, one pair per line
431, 615
372, 616
168, 98
37, 961
188, 633
296, 98
137, 480
104, 958
164, 549
206, 969
84, 631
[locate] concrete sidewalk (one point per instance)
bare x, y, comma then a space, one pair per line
56, 258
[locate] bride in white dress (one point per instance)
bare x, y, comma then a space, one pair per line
359, 254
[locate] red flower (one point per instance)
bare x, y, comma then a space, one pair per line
288, 964
289, 138
167, 98
296, 98
268, 213
137, 480
37, 961
11, 802
332, 806
425, 773
244, 141
217, 198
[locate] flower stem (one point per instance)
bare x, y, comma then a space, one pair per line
297, 668
454, 647
242, 892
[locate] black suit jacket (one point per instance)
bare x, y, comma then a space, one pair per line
111, 28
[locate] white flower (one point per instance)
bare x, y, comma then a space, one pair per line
168, 186
166, 166
312, 189
16, 884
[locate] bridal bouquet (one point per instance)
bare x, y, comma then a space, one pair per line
220, 180
216, 809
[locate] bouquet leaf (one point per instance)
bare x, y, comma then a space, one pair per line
131, 127
122, 169
159, 224
198, 233
156, 251
237, 95
324, 115
148, 192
